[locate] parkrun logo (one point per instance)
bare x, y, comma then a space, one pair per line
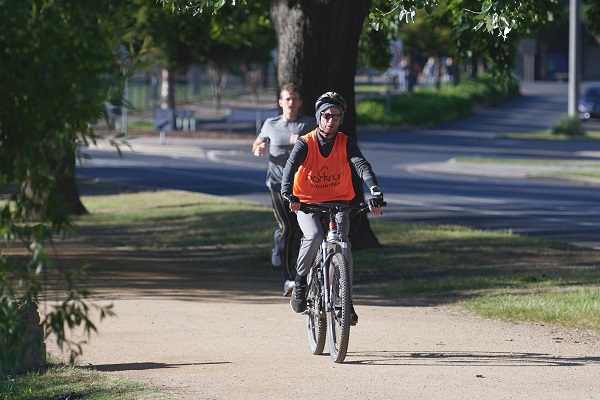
325, 180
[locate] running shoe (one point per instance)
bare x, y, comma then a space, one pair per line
287, 288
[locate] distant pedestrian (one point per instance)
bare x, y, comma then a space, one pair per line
280, 134
429, 71
451, 71
405, 75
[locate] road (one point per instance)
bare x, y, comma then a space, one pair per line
414, 191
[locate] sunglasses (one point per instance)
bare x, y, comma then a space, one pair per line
335, 117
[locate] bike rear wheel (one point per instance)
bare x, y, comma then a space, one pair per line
316, 323
338, 312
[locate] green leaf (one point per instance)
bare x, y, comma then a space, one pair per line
486, 6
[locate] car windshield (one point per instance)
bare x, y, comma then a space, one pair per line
593, 94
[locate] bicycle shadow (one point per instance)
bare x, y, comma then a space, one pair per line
456, 358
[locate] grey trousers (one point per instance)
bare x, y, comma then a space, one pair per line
312, 237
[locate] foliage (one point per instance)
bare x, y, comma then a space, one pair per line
499, 17
171, 39
245, 32
428, 105
590, 11
569, 126
426, 36
453, 27
374, 49
177, 39
58, 62
494, 16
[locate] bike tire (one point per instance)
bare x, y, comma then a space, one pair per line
316, 322
338, 314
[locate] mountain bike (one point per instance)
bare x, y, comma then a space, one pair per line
328, 297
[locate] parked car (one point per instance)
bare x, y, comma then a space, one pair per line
589, 104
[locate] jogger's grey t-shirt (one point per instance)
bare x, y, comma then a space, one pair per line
277, 133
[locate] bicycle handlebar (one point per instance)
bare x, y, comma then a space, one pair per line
320, 208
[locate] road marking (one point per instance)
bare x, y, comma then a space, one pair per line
504, 213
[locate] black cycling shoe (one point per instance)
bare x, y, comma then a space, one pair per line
298, 300
353, 316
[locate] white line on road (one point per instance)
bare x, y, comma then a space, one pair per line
504, 213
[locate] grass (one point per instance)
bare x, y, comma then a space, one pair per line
579, 308
80, 383
527, 161
172, 220
451, 264
548, 135
141, 126
557, 168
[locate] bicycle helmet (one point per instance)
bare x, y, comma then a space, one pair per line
331, 98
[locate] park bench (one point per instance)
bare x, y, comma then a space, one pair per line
242, 116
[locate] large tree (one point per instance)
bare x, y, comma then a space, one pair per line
58, 60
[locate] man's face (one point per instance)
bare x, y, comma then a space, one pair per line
330, 121
289, 102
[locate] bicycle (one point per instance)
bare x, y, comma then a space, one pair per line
328, 297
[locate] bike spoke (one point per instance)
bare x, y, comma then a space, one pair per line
338, 318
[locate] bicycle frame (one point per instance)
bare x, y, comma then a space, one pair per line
329, 298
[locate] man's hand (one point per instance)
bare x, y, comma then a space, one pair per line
260, 150
375, 209
376, 201
293, 200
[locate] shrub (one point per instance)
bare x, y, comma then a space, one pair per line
569, 126
428, 105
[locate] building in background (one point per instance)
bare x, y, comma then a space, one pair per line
546, 57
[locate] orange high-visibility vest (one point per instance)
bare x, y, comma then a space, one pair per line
321, 179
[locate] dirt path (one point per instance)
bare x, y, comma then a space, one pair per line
211, 334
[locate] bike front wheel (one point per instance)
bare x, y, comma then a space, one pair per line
316, 323
338, 310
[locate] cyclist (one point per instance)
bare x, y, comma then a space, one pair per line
319, 171
281, 133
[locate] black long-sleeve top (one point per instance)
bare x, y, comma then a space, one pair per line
300, 151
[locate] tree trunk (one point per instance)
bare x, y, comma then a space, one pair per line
64, 193
167, 91
318, 50
218, 80
251, 74
66, 185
